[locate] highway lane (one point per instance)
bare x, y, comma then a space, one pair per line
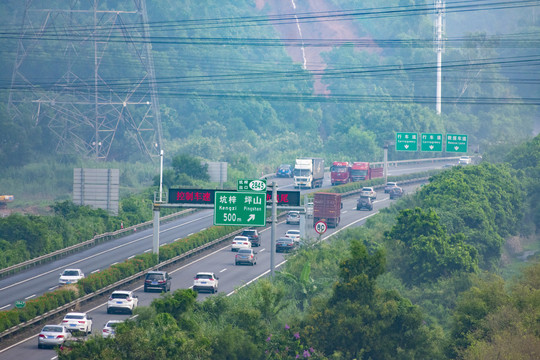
35, 281
220, 261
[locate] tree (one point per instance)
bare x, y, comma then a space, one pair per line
191, 166
428, 252
361, 321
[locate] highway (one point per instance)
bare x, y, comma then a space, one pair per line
35, 281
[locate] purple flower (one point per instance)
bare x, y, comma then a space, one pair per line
297, 357
297, 336
287, 327
269, 338
306, 354
311, 349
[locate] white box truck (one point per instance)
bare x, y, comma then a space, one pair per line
308, 173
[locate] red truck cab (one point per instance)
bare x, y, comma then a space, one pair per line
340, 172
363, 171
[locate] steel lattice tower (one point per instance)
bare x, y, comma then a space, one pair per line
96, 81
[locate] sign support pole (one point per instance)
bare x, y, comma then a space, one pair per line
273, 231
155, 243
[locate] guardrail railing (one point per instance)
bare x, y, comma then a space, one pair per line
140, 274
88, 243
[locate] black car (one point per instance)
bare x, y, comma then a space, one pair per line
396, 192
157, 280
253, 236
364, 202
285, 244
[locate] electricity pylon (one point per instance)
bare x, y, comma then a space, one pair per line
96, 80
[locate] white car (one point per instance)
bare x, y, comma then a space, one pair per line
240, 242
109, 328
70, 276
206, 281
465, 160
75, 321
122, 300
368, 192
293, 234
309, 210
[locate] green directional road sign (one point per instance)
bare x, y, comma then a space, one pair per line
406, 141
456, 143
19, 304
240, 208
431, 142
251, 185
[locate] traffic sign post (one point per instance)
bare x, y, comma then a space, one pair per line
456, 143
251, 185
320, 227
406, 141
431, 142
240, 208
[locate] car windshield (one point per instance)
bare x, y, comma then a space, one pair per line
68, 316
244, 251
204, 276
241, 238
284, 167
294, 214
112, 324
293, 232
366, 189
52, 329
301, 172
339, 169
359, 172
71, 273
248, 232
154, 276
119, 296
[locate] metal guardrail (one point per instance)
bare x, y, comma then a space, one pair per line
160, 265
88, 243
117, 284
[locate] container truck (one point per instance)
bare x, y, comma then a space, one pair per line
340, 172
327, 208
308, 173
364, 171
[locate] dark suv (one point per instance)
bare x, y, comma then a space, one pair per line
160, 280
253, 237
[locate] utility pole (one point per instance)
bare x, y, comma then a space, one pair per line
439, 47
102, 81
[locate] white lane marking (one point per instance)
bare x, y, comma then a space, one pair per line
180, 268
54, 358
262, 250
29, 297
131, 257
52, 288
147, 250
344, 212
222, 270
189, 234
114, 263
100, 253
202, 229
5, 306
255, 279
95, 271
160, 245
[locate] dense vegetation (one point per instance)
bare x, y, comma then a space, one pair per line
407, 285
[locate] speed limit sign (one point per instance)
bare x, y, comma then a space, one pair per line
320, 227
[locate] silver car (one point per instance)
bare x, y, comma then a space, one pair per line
245, 256
53, 335
109, 329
